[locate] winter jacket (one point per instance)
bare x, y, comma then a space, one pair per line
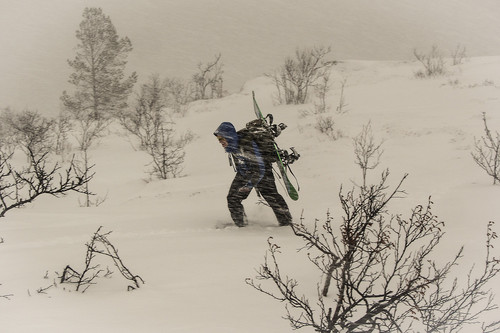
245, 154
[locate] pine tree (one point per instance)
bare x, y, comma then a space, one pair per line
101, 89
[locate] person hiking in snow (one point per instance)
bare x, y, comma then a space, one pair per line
252, 171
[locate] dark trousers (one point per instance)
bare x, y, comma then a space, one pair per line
267, 188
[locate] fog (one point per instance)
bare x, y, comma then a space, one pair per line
171, 37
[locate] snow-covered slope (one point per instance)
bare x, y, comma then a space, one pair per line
166, 230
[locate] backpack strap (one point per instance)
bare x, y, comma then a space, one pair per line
245, 138
231, 161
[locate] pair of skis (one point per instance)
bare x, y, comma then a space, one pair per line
292, 192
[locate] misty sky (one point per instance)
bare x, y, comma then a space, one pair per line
170, 37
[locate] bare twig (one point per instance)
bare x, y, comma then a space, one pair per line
487, 152
98, 245
20, 187
381, 270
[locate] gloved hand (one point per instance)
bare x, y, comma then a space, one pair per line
244, 189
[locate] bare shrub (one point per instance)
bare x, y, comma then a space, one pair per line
30, 131
20, 186
326, 125
167, 152
208, 81
381, 271
342, 106
433, 62
98, 245
487, 152
62, 128
88, 131
367, 151
294, 79
458, 55
321, 89
153, 126
179, 95
7, 140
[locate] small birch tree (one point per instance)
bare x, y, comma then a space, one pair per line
209, 78
486, 152
151, 123
367, 151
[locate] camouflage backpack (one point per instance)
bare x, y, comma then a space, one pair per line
257, 131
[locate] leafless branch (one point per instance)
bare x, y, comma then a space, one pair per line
299, 74
381, 271
487, 152
98, 245
20, 187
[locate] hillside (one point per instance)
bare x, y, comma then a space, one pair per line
166, 230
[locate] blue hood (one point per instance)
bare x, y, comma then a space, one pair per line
228, 132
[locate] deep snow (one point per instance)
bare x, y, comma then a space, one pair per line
166, 230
